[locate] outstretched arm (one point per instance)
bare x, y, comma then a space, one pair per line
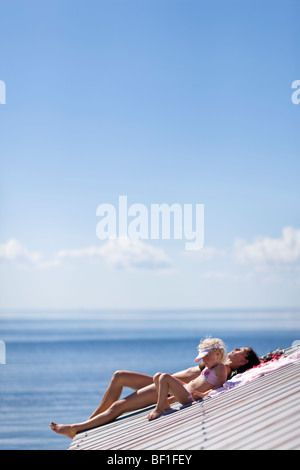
188, 374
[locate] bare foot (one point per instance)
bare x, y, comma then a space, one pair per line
65, 429
155, 414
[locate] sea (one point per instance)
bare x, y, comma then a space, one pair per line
59, 363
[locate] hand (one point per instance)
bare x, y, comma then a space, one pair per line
171, 400
197, 395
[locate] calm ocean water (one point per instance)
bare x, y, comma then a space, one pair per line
58, 364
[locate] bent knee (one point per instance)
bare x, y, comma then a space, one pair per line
157, 375
164, 376
119, 374
117, 408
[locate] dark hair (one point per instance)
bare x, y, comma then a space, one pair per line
253, 360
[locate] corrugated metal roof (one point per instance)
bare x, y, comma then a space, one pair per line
261, 414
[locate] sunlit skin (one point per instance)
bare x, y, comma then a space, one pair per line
237, 358
111, 406
199, 387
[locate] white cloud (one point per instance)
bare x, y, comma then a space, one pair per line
118, 253
216, 275
123, 254
207, 253
14, 251
266, 252
263, 253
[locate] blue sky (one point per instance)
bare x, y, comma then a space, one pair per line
165, 102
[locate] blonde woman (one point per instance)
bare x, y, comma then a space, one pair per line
213, 353
145, 394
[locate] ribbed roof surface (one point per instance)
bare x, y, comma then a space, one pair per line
262, 414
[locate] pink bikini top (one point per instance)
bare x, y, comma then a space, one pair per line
210, 376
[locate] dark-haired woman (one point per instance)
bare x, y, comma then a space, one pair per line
111, 406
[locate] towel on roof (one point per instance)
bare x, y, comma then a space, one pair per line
255, 372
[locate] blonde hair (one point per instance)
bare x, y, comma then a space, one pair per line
219, 347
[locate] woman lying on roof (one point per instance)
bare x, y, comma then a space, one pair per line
111, 406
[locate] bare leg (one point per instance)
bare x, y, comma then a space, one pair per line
140, 399
120, 379
165, 405
166, 383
